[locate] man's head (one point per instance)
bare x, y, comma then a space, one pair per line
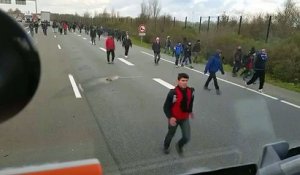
182, 80
263, 50
219, 52
157, 39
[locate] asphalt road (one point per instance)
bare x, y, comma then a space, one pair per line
86, 108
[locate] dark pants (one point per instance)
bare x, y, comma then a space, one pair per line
126, 50
236, 67
112, 55
94, 40
185, 130
258, 74
177, 59
212, 76
156, 57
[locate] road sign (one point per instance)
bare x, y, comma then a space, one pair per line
142, 28
142, 34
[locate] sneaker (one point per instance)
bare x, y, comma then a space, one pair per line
260, 90
108, 63
191, 67
218, 92
177, 66
126, 56
112, 62
166, 150
178, 149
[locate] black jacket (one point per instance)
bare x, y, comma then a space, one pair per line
260, 62
93, 33
156, 47
197, 47
127, 42
188, 51
238, 55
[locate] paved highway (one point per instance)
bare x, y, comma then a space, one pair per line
86, 108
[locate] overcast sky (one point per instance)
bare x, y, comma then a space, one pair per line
178, 8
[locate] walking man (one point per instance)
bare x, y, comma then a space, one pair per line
156, 49
259, 67
178, 108
127, 43
110, 48
213, 65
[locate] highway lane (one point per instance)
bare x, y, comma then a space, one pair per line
123, 115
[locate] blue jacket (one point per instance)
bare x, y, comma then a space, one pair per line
214, 64
261, 59
178, 49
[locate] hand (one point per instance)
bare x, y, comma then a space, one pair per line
191, 115
172, 121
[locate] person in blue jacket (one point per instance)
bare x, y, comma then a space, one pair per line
178, 50
213, 65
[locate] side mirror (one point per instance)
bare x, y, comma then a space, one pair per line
19, 68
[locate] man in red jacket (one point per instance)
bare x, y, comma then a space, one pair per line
178, 108
110, 48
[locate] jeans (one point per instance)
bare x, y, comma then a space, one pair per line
156, 57
185, 130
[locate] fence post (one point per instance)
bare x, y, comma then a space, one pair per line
185, 22
174, 22
240, 25
208, 23
268, 31
200, 24
218, 23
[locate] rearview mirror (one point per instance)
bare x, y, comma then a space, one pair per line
19, 68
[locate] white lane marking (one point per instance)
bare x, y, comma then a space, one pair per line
80, 87
74, 86
229, 82
162, 82
126, 62
102, 49
288, 103
26, 27
54, 36
79, 35
58, 46
84, 38
266, 95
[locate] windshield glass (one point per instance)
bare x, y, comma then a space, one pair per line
157, 87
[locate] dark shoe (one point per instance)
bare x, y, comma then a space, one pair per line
166, 150
178, 149
218, 92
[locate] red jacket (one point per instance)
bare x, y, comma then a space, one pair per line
176, 110
110, 43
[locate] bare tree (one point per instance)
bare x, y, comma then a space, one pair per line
155, 8
86, 14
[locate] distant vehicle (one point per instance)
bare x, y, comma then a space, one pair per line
45, 16
28, 18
